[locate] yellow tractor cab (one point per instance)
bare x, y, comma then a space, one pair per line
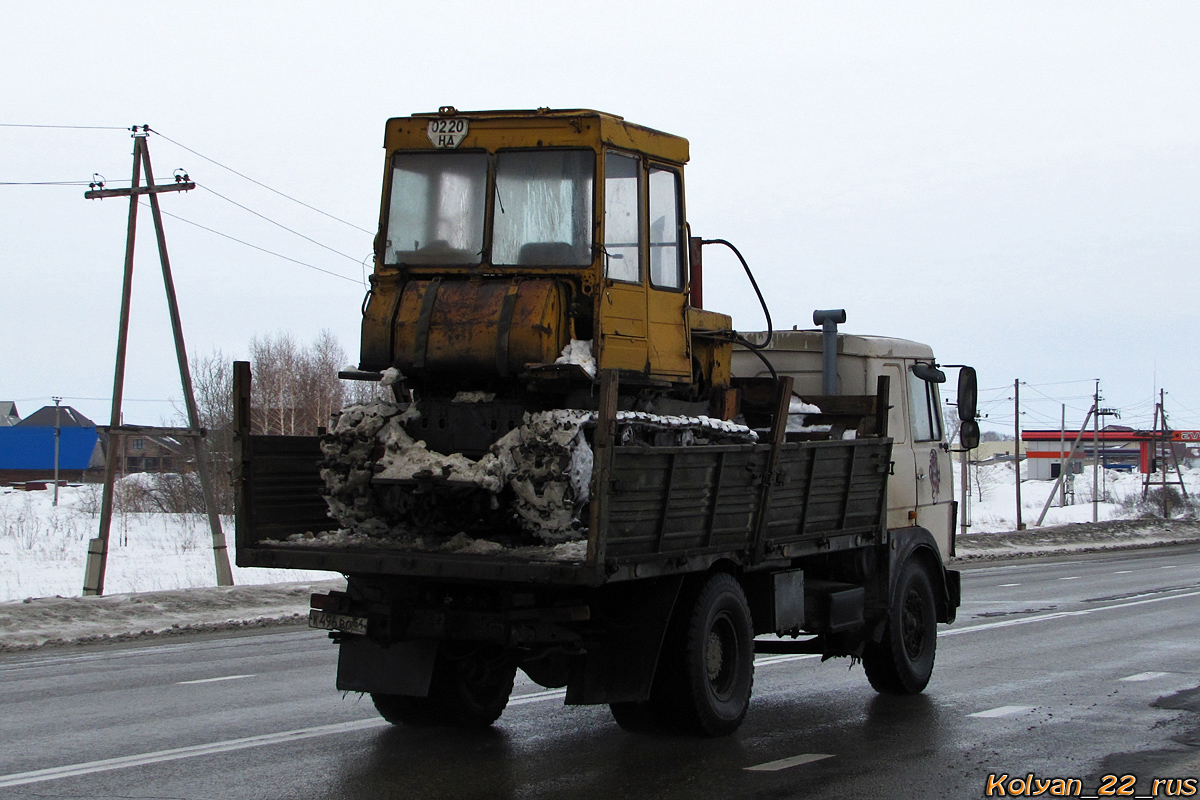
512, 240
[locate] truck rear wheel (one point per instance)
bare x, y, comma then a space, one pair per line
708, 668
902, 662
466, 691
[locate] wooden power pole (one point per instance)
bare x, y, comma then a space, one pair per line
97, 559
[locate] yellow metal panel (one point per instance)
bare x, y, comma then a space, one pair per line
376, 344
622, 327
567, 128
669, 338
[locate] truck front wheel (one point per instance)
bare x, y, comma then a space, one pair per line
467, 690
708, 668
902, 662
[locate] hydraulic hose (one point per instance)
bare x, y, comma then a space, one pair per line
734, 335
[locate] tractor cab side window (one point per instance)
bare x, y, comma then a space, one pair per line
666, 234
622, 250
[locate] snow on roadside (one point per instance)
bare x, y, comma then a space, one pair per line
77, 620
992, 505
43, 549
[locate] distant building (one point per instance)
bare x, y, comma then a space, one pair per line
145, 453
1116, 447
8, 414
66, 417
27, 448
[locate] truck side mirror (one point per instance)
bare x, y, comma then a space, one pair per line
968, 434
928, 373
968, 397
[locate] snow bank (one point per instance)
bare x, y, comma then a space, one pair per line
62, 620
43, 549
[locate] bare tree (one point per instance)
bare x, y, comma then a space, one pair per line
296, 388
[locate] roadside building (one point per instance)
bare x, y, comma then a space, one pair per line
144, 453
1116, 447
27, 448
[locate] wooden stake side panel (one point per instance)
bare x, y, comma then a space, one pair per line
670, 509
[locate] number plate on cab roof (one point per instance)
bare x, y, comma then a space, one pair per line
447, 133
337, 622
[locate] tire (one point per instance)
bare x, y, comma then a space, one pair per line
469, 690
707, 673
902, 662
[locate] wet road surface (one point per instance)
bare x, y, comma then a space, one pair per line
1052, 669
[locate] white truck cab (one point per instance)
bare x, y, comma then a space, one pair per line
921, 489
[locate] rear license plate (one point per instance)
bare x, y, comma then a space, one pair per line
337, 622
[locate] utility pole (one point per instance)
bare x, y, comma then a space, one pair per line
93, 583
57, 439
1062, 455
1164, 448
1096, 455
1065, 471
1017, 447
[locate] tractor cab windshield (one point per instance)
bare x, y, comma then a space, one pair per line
541, 214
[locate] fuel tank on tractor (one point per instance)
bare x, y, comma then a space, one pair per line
484, 326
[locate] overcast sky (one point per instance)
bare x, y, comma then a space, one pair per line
1012, 183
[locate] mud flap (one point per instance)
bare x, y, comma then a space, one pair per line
619, 666
397, 668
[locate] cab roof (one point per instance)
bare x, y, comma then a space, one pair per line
543, 127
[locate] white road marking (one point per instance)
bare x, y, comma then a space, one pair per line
1145, 676
766, 661
104, 765
89, 767
1083, 612
1002, 711
537, 697
1072, 578
1123, 572
785, 763
1169, 566
1006, 585
213, 680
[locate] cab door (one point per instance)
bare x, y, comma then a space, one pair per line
934, 475
666, 299
622, 301
902, 485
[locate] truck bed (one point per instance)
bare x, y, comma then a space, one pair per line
664, 510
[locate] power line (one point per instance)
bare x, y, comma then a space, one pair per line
254, 246
278, 224
44, 183
64, 397
66, 127
263, 185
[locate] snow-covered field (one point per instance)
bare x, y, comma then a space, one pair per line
992, 506
43, 549
153, 555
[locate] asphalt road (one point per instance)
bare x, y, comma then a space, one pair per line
1053, 668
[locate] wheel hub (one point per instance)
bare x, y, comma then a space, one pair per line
913, 624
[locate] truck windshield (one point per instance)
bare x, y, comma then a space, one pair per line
436, 211
543, 209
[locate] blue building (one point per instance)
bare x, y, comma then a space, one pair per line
27, 448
